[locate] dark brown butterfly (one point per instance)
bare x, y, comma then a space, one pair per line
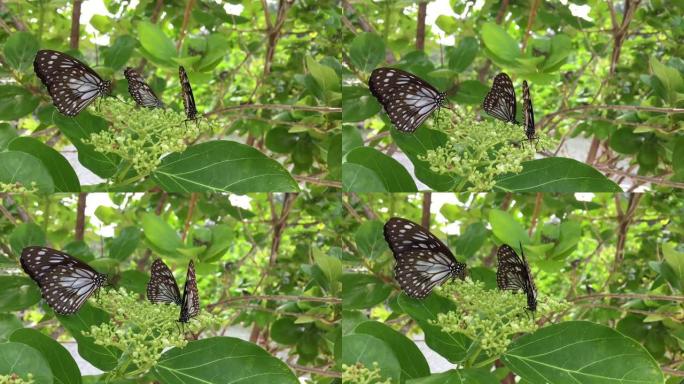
500, 100
407, 99
71, 83
188, 98
65, 282
140, 91
422, 260
528, 113
162, 288
513, 273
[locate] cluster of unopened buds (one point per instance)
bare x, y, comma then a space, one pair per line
360, 374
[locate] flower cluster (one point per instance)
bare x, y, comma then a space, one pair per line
16, 379
478, 151
359, 374
141, 136
18, 188
491, 317
141, 330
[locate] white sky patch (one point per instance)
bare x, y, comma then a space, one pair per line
242, 201
233, 9
93, 201
438, 200
434, 10
580, 11
584, 196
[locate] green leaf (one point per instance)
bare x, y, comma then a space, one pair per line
8, 324
417, 144
370, 240
223, 166
676, 262
133, 280
561, 48
499, 42
625, 141
351, 138
18, 293
357, 178
222, 237
452, 346
470, 92
155, 42
20, 50
217, 48
22, 168
20, 359
221, 360
124, 244
410, 358
16, 102
471, 240
570, 234
280, 140
367, 51
118, 54
557, 174
507, 229
7, 134
581, 352
24, 235
102, 23
61, 363
160, 234
669, 77
331, 266
394, 176
103, 358
459, 376
677, 156
79, 128
286, 331
61, 172
325, 76
358, 104
462, 56
448, 24
360, 291
369, 350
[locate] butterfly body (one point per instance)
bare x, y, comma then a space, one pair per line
162, 288
64, 281
407, 99
140, 91
528, 113
422, 260
188, 97
513, 273
500, 100
71, 83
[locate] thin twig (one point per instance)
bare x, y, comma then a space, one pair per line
317, 371
184, 26
80, 216
75, 24
188, 218
628, 296
323, 182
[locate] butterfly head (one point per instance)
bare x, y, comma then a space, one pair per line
458, 270
106, 87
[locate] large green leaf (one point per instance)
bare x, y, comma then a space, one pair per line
221, 360
8, 324
358, 104
79, 128
461, 57
24, 169
7, 134
581, 352
411, 359
117, 55
155, 42
63, 175
20, 359
499, 42
104, 358
223, 166
556, 174
26, 234
452, 347
417, 144
458, 376
370, 240
367, 51
507, 229
16, 102
357, 178
18, 292
20, 49
124, 244
63, 366
160, 234
360, 291
394, 176
369, 350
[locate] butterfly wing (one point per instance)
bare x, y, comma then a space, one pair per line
422, 260
162, 287
190, 306
71, 83
528, 112
140, 91
64, 281
500, 100
188, 98
513, 273
407, 99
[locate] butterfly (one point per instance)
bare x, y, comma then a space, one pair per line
71, 83
162, 288
513, 273
64, 281
528, 113
188, 98
407, 99
500, 100
140, 91
422, 260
